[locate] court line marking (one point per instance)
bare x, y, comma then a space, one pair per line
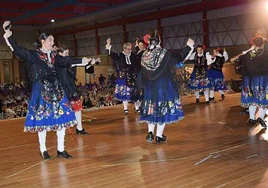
34, 165
143, 162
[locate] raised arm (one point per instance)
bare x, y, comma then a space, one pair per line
108, 48
225, 55
20, 51
186, 52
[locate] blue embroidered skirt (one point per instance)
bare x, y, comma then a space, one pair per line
198, 84
255, 91
161, 102
123, 92
48, 110
217, 79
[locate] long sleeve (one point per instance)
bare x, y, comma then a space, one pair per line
246, 51
225, 55
191, 55
20, 51
137, 49
210, 59
67, 61
184, 53
113, 55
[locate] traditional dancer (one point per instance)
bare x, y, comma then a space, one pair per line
49, 108
140, 47
215, 73
199, 78
255, 78
67, 77
236, 60
252, 108
161, 103
127, 66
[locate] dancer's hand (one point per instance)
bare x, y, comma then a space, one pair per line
108, 43
190, 42
93, 62
98, 60
8, 33
6, 23
86, 61
137, 42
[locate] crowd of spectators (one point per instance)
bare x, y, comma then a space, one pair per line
13, 99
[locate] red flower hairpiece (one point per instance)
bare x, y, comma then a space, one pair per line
253, 38
218, 49
146, 38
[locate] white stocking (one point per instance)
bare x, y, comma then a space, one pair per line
206, 95
252, 111
125, 103
160, 129
262, 112
197, 95
211, 93
151, 127
78, 116
42, 140
60, 139
137, 105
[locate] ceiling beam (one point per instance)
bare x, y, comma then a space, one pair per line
181, 10
51, 6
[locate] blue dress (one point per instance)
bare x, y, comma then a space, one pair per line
49, 108
127, 70
161, 101
199, 78
255, 78
215, 74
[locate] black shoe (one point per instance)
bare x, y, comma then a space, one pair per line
64, 154
245, 111
137, 111
83, 132
125, 112
150, 137
197, 101
207, 102
211, 98
159, 139
252, 121
45, 155
222, 96
262, 122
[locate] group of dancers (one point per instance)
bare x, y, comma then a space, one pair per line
146, 77
207, 75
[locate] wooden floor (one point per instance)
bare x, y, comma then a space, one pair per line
209, 148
